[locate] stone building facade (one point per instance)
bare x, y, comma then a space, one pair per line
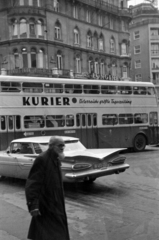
144, 34
65, 38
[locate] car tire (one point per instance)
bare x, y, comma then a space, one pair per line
139, 143
90, 180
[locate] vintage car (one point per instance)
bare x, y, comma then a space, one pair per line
80, 164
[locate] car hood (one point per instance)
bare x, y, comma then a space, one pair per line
95, 153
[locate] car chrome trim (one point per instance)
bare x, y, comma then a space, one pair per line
98, 172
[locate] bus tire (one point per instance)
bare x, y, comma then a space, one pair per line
139, 143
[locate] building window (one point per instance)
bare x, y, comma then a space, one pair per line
76, 36
138, 64
56, 5
123, 49
23, 28
21, 3
30, 2
15, 28
136, 35
89, 40
32, 27
24, 57
101, 43
90, 66
33, 58
88, 16
59, 60
155, 63
75, 11
96, 67
138, 77
78, 65
100, 20
58, 31
111, 23
137, 49
112, 45
102, 72
40, 28
41, 58
16, 58
95, 41
125, 71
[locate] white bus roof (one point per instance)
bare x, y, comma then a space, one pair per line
73, 81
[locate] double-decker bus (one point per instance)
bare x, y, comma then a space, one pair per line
103, 114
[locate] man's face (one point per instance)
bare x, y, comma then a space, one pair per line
58, 148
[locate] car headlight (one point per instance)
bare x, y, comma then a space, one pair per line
81, 166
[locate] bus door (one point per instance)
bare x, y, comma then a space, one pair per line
9, 125
154, 138
88, 134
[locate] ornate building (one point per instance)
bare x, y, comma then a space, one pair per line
65, 38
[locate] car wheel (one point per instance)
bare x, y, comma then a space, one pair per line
139, 143
89, 180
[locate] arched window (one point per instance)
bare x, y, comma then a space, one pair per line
56, 5
25, 57
15, 28
16, 58
41, 58
32, 27
33, 58
40, 28
123, 49
75, 11
58, 31
59, 60
101, 43
95, 41
23, 28
78, 64
112, 45
76, 36
89, 39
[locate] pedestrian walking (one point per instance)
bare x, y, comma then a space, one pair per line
45, 195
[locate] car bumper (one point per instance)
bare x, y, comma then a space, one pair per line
95, 173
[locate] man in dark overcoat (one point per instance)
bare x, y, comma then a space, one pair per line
45, 195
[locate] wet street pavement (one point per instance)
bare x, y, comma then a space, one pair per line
117, 207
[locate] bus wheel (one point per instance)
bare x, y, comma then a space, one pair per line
139, 143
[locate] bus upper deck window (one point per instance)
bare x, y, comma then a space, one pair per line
110, 89
32, 87
91, 89
124, 90
73, 88
10, 87
53, 88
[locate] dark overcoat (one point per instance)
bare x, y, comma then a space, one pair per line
44, 190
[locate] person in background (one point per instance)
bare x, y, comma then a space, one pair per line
45, 195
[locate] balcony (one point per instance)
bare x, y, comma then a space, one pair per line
40, 72
101, 5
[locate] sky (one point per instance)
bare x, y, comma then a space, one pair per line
135, 2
